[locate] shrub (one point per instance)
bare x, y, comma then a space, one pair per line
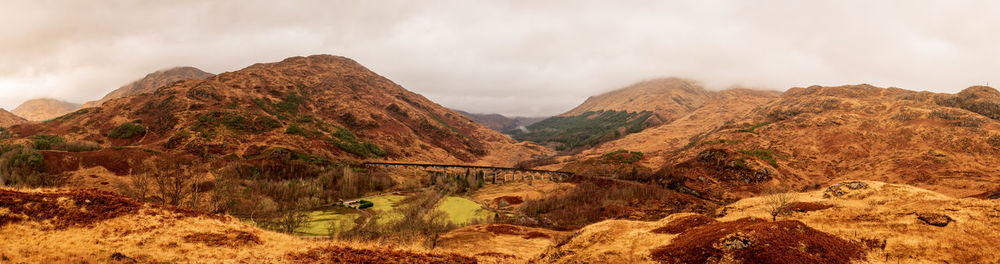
263, 124
623, 157
994, 140
752, 128
45, 142
294, 129
762, 154
234, 121
347, 141
77, 146
127, 130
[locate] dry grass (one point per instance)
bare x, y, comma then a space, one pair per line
889, 213
153, 234
524, 190
500, 243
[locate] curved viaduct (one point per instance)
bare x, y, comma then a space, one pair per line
488, 174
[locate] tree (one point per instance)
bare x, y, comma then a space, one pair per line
777, 201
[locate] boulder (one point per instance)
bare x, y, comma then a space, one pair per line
842, 188
934, 219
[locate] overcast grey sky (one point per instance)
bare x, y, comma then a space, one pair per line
517, 58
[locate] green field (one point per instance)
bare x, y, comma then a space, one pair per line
461, 210
320, 221
343, 218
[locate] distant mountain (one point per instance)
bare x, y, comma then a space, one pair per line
8, 119
42, 109
501, 123
152, 81
615, 114
319, 109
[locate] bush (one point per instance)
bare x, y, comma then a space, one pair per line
622, 156
751, 129
24, 166
347, 141
762, 154
263, 124
45, 142
994, 140
294, 129
127, 130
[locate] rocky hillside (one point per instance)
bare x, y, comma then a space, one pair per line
152, 81
42, 109
617, 113
501, 123
316, 109
817, 135
854, 222
8, 119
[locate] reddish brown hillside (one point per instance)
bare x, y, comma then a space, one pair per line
8, 119
43, 109
668, 98
152, 81
817, 135
312, 109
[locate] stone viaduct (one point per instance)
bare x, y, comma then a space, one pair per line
490, 175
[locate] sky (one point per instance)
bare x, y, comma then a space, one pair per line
518, 58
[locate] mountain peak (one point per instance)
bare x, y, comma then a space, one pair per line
151, 82
668, 98
40, 109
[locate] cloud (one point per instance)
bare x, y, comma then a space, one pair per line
517, 57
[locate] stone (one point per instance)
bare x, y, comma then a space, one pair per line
935, 219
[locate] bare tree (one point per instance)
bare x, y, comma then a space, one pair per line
777, 201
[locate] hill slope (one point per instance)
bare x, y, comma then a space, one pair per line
617, 113
314, 109
885, 220
501, 123
150, 82
43, 109
817, 135
8, 119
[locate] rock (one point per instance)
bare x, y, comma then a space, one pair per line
934, 219
838, 189
735, 241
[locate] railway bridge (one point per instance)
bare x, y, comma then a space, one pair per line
488, 174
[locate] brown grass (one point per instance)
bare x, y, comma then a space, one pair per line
808, 206
64, 208
511, 200
754, 240
336, 254
503, 229
684, 223
535, 234
229, 238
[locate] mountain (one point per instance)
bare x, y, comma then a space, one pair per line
617, 113
668, 98
317, 109
817, 135
43, 109
501, 123
152, 81
8, 119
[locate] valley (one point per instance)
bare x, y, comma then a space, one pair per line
318, 159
